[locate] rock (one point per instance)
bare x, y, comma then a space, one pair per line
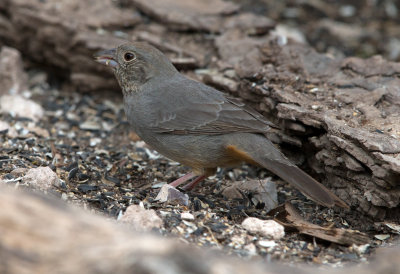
141, 219
187, 216
10, 131
267, 228
17, 105
18, 172
170, 194
382, 237
41, 177
394, 227
263, 191
13, 79
266, 244
4, 127
251, 249
94, 141
361, 249
39, 131
93, 123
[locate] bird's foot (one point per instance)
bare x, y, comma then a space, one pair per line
182, 179
186, 178
192, 184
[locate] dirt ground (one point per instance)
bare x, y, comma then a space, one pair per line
86, 140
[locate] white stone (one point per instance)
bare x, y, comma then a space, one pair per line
266, 228
4, 126
361, 249
17, 105
41, 177
141, 219
94, 141
382, 237
265, 243
13, 79
251, 249
187, 216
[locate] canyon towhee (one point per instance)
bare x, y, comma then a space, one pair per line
196, 125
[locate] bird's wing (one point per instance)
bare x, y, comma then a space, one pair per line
194, 108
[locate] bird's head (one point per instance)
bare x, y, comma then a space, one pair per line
135, 64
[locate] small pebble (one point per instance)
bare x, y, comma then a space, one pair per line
267, 228
187, 216
41, 177
170, 194
141, 219
158, 185
95, 141
251, 249
17, 105
382, 237
267, 243
4, 126
64, 196
90, 125
361, 249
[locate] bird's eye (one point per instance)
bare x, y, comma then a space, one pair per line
129, 56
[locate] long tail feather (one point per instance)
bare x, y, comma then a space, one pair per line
255, 148
303, 182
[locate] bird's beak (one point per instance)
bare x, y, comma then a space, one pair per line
107, 57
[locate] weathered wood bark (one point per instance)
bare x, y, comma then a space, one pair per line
62, 35
345, 114
340, 114
39, 234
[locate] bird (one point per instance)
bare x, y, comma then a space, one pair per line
197, 125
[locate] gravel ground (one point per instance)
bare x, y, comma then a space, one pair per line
104, 167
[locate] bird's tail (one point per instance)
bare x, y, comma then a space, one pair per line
262, 152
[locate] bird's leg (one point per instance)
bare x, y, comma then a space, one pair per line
192, 184
183, 179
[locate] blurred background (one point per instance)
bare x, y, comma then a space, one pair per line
61, 35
